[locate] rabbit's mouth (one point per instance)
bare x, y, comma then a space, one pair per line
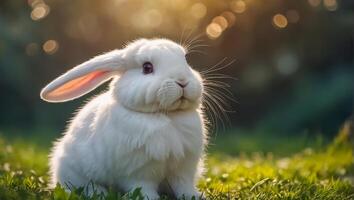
176, 99
181, 100
182, 103
184, 99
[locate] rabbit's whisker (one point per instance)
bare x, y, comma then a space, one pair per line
217, 68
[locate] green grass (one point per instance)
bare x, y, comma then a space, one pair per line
270, 167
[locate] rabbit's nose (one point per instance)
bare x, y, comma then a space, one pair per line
182, 84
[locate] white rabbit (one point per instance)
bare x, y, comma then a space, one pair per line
148, 128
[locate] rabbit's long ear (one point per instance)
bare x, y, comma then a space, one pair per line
84, 77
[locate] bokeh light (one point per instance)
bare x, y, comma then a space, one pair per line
147, 19
179, 4
230, 17
198, 10
280, 21
330, 5
40, 11
238, 6
292, 16
50, 47
221, 21
286, 63
257, 76
314, 3
32, 49
154, 18
213, 30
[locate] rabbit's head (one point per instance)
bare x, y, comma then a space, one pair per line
150, 76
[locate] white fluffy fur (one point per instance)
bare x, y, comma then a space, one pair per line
143, 131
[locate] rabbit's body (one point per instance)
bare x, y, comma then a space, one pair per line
118, 152
147, 128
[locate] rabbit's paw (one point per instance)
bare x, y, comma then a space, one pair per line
185, 189
94, 189
150, 195
193, 194
147, 189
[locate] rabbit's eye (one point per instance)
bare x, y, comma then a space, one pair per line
148, 68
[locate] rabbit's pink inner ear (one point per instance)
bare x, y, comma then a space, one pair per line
76, 86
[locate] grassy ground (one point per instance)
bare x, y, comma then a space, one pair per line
269, 168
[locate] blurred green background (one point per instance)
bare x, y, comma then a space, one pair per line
293, 59
292, 85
